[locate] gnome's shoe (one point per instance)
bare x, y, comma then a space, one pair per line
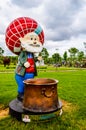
20, 97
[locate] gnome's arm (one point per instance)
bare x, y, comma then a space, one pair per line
37, 57
23, 59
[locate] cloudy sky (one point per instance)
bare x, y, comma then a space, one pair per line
63, 21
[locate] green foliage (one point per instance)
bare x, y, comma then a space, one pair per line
73, 51
14, 59
44, 53
1, 59
80, 55
1, 51
65, 56
56, 57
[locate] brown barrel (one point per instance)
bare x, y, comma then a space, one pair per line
40, 95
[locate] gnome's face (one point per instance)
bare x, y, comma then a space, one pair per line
31, 43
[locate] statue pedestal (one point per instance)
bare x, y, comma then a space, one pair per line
16, 110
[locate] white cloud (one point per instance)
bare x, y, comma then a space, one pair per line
64, 22
62, 46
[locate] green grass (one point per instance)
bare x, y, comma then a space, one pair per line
8, 87
71, 89
10, 68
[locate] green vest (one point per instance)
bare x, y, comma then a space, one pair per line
20, 69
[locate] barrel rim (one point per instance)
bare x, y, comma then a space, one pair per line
27, 81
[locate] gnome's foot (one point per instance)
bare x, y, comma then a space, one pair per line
20, 97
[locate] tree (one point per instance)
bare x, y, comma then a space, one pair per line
56, 57
85, 45
1, 51
80, 55
1, 55
65, 56
73, 52
44, 53
14, 59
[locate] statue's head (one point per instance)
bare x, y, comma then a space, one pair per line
24, 34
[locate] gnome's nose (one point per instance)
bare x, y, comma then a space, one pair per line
34, 42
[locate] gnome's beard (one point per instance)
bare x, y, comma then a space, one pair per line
31, 47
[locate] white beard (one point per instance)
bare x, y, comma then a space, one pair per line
30, 47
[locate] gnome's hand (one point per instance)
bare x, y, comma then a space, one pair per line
39, 58
27, 64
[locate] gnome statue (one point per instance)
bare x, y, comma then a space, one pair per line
24, 37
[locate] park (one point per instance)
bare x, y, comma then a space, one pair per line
66, 109
43, 65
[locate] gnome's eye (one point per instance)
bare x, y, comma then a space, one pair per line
31, 38
35, 39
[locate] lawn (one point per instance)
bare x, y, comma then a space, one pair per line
71, 91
